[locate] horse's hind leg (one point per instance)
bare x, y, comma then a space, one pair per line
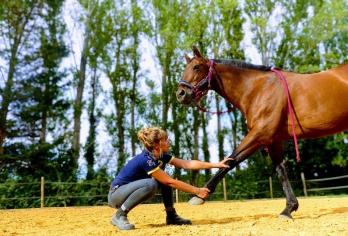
276, 154
291, 200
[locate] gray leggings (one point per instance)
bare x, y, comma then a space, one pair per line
132, 194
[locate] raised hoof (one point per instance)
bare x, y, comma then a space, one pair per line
196, 201
285, 217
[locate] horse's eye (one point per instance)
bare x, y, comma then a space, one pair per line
196, 68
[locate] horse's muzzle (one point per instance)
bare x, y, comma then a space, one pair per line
184, 96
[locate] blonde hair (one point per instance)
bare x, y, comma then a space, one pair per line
151, 136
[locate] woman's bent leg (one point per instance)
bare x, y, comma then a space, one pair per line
127, 197
133, 193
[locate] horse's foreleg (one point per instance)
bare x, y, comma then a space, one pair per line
213, 182
276, 153
244, 150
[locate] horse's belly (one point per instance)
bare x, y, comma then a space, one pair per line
322, 127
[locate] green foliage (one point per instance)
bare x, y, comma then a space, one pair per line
42, 159
339, 143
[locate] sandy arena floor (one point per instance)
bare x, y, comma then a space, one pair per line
316, 216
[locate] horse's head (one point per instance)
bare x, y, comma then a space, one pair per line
195, 81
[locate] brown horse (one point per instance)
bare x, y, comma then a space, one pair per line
319, 102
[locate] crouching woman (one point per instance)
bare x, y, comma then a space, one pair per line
140, 178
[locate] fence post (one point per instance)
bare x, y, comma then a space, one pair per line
304, 184
270, 186
224, 187
177, 195
42, 200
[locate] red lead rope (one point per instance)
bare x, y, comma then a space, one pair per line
290, 109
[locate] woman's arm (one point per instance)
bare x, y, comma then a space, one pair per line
197, 165
165, 179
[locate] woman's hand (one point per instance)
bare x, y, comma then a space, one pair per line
222, 164
203, 192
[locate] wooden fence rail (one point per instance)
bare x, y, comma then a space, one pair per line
306, 190
225, 191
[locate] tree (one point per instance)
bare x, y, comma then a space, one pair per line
96, 41
120, 30
198, 35
39, 105
168, 23
228, 32
118, 75
232, 23
17, 25
260, 14
90, 148
90, 7
138, 27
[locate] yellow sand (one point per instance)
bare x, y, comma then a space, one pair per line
316, 216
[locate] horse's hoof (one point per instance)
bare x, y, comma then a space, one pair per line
196, 201
285, 217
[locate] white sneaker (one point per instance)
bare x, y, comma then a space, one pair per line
121, 222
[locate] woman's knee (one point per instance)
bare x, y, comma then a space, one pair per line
112, 201
152, 186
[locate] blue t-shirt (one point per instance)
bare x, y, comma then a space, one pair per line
141, 167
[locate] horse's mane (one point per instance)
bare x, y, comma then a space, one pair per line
242, 64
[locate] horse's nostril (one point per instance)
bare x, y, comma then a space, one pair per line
181, 93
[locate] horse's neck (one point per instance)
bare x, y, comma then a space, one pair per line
236, 84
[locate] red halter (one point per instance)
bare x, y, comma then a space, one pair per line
202, 88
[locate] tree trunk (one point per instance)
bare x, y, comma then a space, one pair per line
78, 100
196, 124
90, 144
164, 97
205, 146
44, 117
176, 145
119, 95
234, 130
135, 67
133, 104
120, 112
220, 135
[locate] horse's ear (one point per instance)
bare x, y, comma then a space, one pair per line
188, 59
196, 51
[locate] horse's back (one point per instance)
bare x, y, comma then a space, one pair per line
340, 72
343, 68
